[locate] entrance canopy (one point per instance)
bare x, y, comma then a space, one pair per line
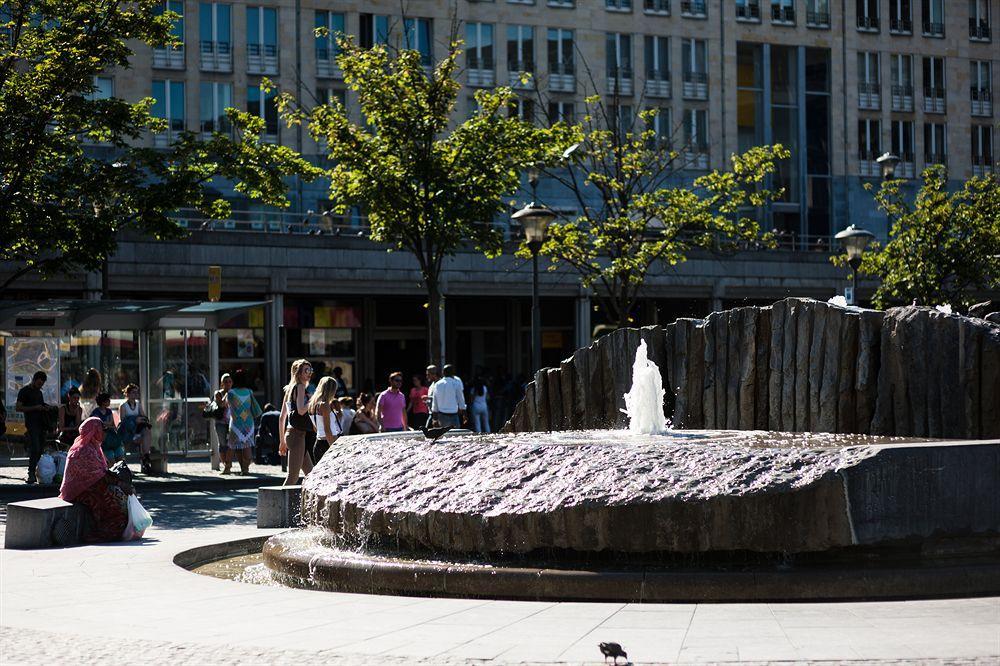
118, 315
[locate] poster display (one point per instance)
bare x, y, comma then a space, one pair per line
317, 341
244, 343
25, 357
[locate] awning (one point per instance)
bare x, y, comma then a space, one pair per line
82, 315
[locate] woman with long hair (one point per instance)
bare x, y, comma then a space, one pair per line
325, 410
134, 426
364, 419
479, 407
294, 422
243, 413
91, 386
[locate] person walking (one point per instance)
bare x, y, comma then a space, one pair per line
221, 418
325, 410
390, 408
294, 422
448, 399
479, 409
243, 413
431, 374
418, 411
31, 403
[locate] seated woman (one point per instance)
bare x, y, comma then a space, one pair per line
88, 481
134, 426
114, 450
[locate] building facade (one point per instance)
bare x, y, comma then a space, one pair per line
838, 83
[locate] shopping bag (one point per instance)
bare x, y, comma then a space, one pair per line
138, 517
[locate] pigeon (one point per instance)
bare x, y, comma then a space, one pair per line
612, 650
434, 434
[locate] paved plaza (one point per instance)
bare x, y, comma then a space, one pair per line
112, 602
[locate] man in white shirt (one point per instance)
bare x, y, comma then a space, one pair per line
448, 399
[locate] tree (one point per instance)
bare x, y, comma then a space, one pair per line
941, 247
71, 174
633, 213
429, 182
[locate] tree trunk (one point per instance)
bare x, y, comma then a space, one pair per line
434, 346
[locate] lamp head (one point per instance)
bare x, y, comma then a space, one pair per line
535, 221
888, 163
854, 241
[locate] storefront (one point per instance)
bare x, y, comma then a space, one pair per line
169, 349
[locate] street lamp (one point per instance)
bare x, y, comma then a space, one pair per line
854, 241
888, 163
535, 221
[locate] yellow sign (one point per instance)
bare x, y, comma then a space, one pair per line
215, 283
552, 339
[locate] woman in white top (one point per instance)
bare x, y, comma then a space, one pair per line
325, 410
479, 408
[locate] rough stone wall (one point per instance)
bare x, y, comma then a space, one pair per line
798, 365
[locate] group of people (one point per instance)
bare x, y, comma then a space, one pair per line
48, 428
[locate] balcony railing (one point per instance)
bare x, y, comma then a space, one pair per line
935, 158
481, 72
326, 64
262, 59
696, 157
216, 56
868, 23
933, 29
620, 81
902, 98
658, 84
980, 30
695, 85
782, 14
817, 19
516, 70
562, 77
934, 100
901, 26
907, 167
748, 12
618, 5
982, 165
869, 95
868, 166
661, 7
561, 4
982, 101
693, 8
171, 57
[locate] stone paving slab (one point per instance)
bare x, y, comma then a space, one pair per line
57, 604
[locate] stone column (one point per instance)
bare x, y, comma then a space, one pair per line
273, 353
583, 326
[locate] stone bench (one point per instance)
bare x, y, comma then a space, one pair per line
43, 523
278, 506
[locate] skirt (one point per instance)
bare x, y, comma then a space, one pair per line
108, 506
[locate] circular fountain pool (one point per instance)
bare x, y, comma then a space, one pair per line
613, 515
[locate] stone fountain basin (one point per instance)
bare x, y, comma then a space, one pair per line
608, 492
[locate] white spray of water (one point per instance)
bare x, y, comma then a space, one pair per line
644, 401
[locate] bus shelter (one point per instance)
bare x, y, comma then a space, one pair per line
169, 349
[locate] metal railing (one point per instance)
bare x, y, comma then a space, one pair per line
936, 158
216, 56
693, 8
902, 98
933, 29
982, 101
818, 19
782, 14
262, 58
868, 23
748, 12
901, 26
656, 6
980, 30
171, 57
934, 100
869, 95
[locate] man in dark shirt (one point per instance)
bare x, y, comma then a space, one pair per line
31, 403
267, 436
338, 376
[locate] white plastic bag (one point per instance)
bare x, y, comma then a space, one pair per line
139, 519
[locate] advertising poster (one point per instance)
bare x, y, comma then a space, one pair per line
317, 341
244, 343
25, 357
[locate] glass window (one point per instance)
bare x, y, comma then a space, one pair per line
374, 30
520, 48
417, 36
264, 105
695, 60
784, 74
326, 45
177, 26
560, 44
696, 130
262, 40
818, 134
214, 23
104, 88
561, 112
818, 70
169, 103
657, 52
215, 99
619, 55
479, 45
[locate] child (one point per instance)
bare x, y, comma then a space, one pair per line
47, 466
112, 446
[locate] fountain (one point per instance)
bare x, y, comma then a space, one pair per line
647, 513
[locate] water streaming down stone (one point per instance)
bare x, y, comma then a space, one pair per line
644, 401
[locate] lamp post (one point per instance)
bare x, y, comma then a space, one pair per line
854, 241
535, 220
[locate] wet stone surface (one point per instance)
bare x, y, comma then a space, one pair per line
589, 491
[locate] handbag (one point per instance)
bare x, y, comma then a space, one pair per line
121, 470
213, 410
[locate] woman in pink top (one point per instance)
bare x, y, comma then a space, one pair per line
390, 410
418, 408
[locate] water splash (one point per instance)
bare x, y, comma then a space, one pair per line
644, 401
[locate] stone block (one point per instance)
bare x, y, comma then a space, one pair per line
278, 506
43, 523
